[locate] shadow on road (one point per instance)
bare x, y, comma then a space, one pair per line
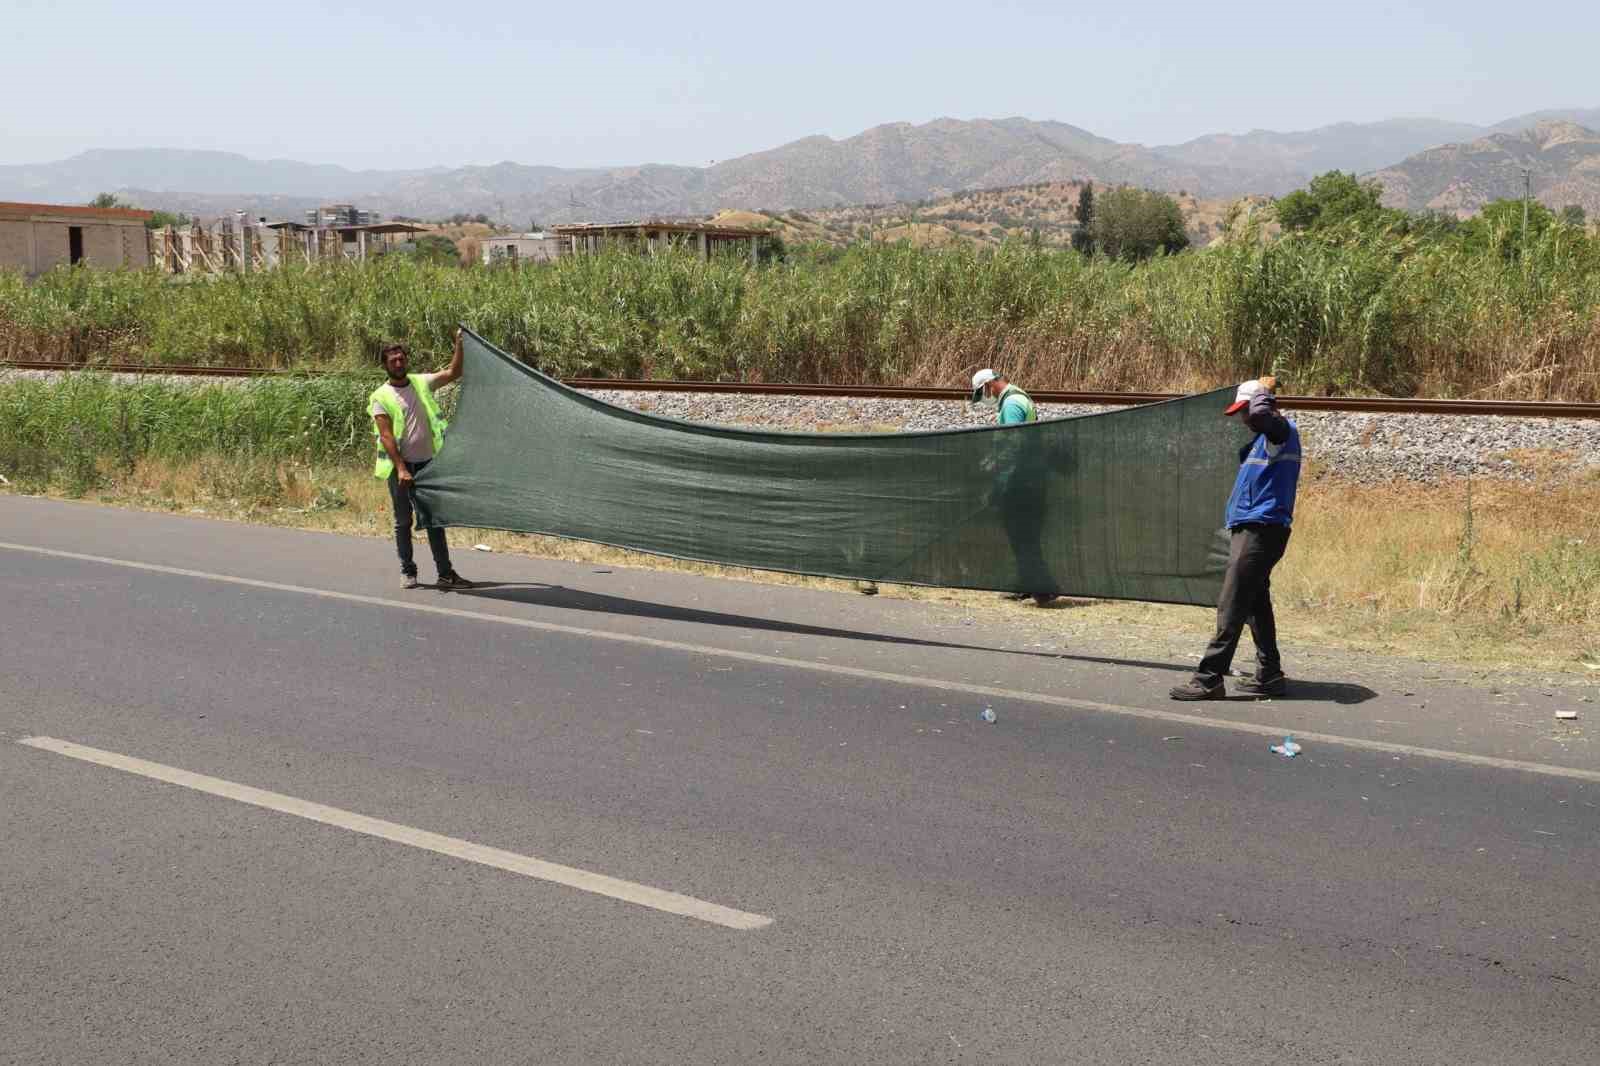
1329, 692
1338, 692
559, 596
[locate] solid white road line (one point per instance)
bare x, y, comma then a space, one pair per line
964, 687
599, 884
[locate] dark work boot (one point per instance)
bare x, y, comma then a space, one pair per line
1263, 685
1195, 689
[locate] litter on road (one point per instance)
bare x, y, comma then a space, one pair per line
1288, 749
1566, 716
482, 548
988, 715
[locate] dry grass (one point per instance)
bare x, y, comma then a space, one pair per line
1496, 571
1399, 570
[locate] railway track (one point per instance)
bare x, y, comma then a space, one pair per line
1368, 404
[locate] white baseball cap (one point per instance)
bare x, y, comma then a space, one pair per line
979, 380
1243, 395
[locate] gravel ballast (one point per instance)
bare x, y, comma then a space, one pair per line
1367, 448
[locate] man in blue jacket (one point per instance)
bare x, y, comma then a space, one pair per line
1260, 511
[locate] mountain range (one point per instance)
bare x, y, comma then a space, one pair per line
1561, 160
1422, 162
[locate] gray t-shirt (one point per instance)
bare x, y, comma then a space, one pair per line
416, 443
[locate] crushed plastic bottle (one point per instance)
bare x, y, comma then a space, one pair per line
988, 715
1288, 749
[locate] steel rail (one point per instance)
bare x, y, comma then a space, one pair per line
1354, 404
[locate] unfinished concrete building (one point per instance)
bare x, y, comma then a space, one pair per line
36, 237
706, 238
516, 249
238, 245
329, 215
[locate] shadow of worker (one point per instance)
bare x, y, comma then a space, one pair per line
1026, 463
541, 594
1340, 692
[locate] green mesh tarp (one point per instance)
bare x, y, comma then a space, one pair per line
1126, 504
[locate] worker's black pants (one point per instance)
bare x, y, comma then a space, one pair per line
1024, 521
404, 516
1246, 600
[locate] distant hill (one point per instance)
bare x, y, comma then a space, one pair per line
1563, 160
1286, 161
1578, 116
896, 162
982, 216
893, 162
886, 164
167, 169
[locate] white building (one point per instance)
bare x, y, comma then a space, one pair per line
515, 248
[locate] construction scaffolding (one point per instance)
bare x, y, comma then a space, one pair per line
231, 246
706, 239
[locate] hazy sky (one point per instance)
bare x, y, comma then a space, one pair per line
408, 83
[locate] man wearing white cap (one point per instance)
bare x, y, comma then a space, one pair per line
1012, 403
1022, 509
1260, 511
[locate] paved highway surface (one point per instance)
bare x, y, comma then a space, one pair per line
289, 813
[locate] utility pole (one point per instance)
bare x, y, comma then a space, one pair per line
1526, 187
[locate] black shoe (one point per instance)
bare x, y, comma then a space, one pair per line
453, 580
1195, 689
408, 581
1044, 599
1271, 685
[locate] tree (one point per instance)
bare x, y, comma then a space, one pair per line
163, 219
774, 249
1499, 227
1135, 224
1083, 236
1574, 215
106, 199
1331, 199
436, 248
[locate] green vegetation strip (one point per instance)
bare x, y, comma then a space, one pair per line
1383, 304
77, 430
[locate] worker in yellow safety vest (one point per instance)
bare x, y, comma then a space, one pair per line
409, 430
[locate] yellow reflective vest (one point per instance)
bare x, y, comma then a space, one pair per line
384, 397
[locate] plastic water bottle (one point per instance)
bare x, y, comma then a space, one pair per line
988, 715
1288, 749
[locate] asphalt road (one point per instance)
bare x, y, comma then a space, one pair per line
1069, 884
